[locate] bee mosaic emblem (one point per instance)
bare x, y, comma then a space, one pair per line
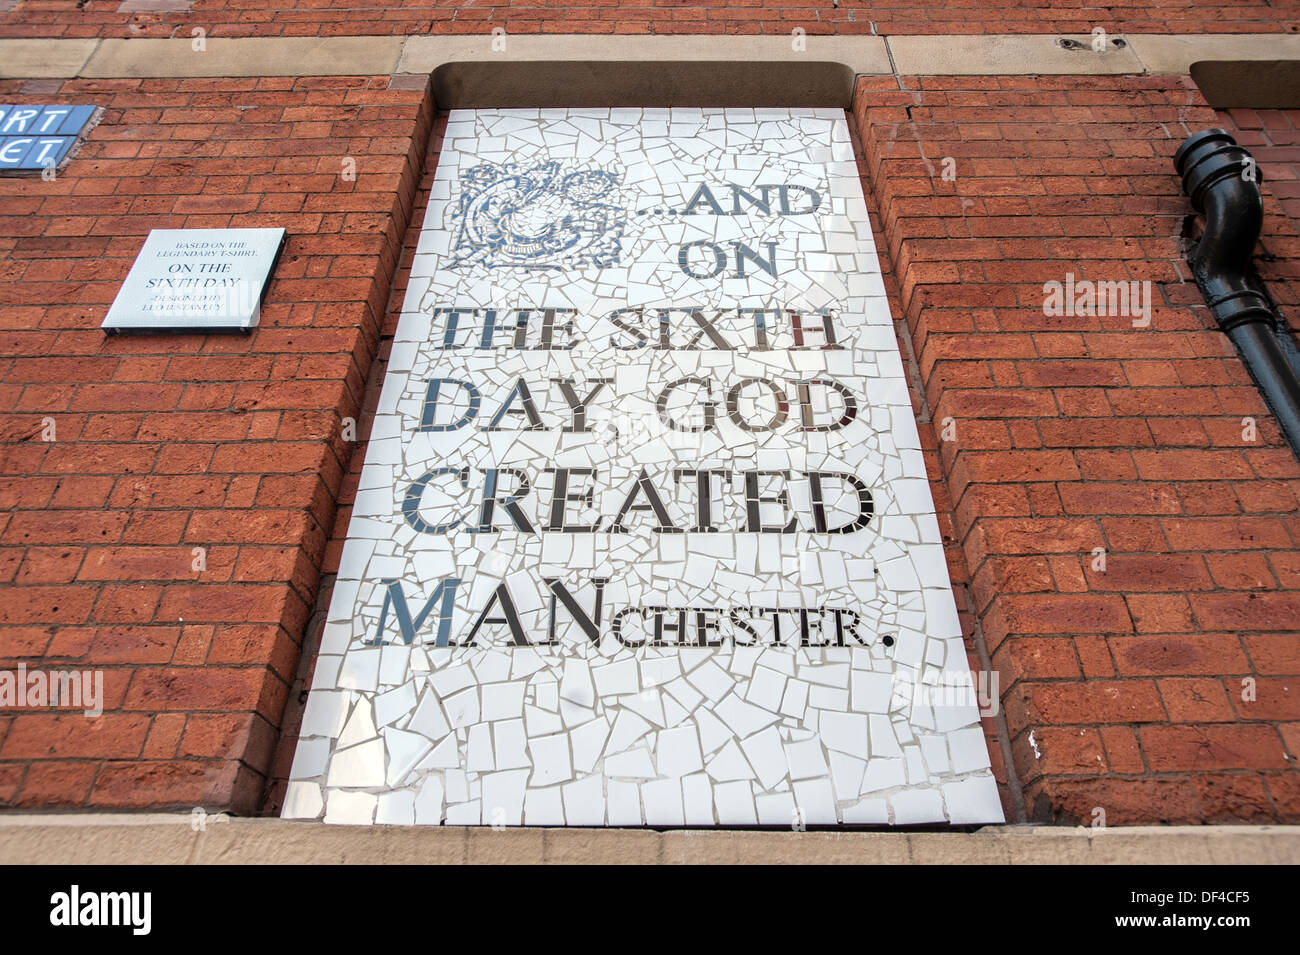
538, 217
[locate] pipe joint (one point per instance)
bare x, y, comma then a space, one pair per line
1223, 183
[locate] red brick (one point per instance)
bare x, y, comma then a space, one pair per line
48, 605
64, 735
49, 565
1196, 700
1037, 658
1216, 747
1123, 802
1123, 754
221, 735
176, 784
1160, 613
1183, 654
1247, 611
1064, 613
1109, 498
1092, 703
1151, 572
1061, 752
56, 785
164, 735
1276, 698
1273, 653
203, 688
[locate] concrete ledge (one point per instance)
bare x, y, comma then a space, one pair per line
862, 55
44, 59
155, 6
171, 839
247, 56
518, 57
1007, 55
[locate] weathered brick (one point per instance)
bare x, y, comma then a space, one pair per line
1215, 747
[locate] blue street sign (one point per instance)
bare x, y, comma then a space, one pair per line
35, 138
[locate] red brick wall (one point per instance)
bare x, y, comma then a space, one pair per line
1076, 433
1122, 689
164, 443
292, 722
63, 18
1070, 434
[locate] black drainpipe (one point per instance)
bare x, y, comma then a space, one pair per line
1222, 181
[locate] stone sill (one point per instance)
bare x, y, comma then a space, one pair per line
166, 838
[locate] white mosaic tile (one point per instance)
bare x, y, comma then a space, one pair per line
643, 534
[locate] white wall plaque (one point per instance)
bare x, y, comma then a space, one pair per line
199, 280
644, 535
